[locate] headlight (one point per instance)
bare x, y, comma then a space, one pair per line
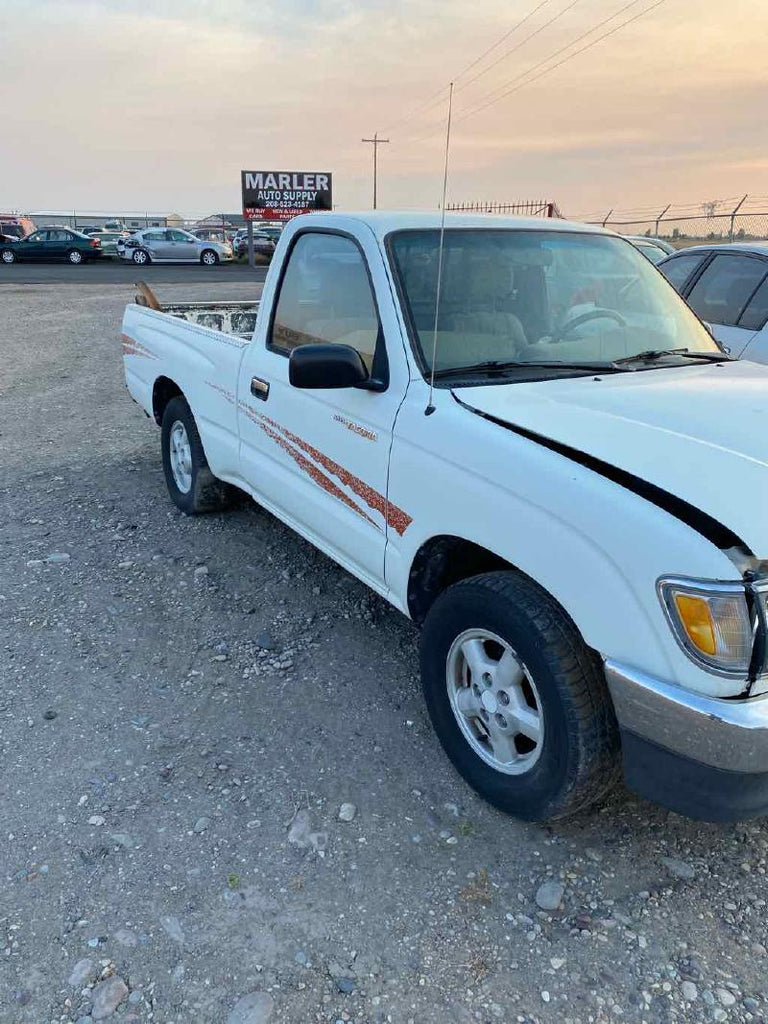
716, 624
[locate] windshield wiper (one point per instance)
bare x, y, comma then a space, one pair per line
499, 366
658, 353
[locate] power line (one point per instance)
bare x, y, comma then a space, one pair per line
431, 101
517, 46
435, 98
546, 71
502, 39
565, 60
568, 45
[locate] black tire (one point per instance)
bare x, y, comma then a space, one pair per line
75, 257
207, 493
209, 257
579, 759
141, 256
7, 256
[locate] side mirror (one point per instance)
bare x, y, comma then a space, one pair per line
326, 366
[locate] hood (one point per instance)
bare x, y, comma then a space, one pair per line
698, 432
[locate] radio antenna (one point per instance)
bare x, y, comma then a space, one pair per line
430, 408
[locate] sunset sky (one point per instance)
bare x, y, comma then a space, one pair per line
116, 104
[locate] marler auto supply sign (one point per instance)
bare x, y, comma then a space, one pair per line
280, 195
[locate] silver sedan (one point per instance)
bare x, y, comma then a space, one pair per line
171, 245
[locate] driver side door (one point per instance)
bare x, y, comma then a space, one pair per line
321, 457
33, 246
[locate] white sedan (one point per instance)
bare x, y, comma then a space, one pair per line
727, 286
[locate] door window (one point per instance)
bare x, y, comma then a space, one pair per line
725, 287
180, 236
154, 236
326, 298
37, 236
755, 315
678, 270
58, 236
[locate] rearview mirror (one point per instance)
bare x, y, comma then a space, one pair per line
326, 366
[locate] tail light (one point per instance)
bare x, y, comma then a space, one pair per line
95, 243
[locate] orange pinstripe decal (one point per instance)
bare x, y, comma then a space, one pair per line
393, 516
131, 347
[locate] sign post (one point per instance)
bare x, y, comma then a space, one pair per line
282, 195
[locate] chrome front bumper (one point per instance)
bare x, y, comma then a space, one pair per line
730, 735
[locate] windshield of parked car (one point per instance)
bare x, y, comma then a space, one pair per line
533, 296
651, 252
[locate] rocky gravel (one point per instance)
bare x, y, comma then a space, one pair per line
222, 802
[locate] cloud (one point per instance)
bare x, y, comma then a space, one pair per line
110, 104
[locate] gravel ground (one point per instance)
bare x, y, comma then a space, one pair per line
188, 709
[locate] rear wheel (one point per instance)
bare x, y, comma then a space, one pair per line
140, 256
191, 484
209, 257
518, 700
75, 256
8, 256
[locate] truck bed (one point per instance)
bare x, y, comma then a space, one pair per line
236, 318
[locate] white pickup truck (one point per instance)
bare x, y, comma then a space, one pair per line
576, 512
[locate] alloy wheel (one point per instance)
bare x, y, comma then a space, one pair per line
495, 701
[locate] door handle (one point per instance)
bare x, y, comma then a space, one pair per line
259, 388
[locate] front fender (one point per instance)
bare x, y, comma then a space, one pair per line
595, 546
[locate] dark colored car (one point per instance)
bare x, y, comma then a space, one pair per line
265, 240
52, 243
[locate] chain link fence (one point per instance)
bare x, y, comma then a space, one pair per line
735, 219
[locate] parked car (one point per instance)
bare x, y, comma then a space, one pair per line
171, 245
652, 248
265, 238
14, 225
727, 286
240, 242
265, 241
210, 234
574, 512
53, 243
109, 240
88, 229
661, 243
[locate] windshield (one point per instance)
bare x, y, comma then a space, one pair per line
538, 296
651, 252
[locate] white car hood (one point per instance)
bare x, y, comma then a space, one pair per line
699, 432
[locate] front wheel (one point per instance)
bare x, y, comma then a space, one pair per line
8, 256
209, 257
75, 256
190, 482
517, 699
140, 256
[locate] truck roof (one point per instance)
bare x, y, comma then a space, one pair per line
381, 222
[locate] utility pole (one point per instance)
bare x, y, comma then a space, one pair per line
375, 142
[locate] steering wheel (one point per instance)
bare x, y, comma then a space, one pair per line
583, 318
